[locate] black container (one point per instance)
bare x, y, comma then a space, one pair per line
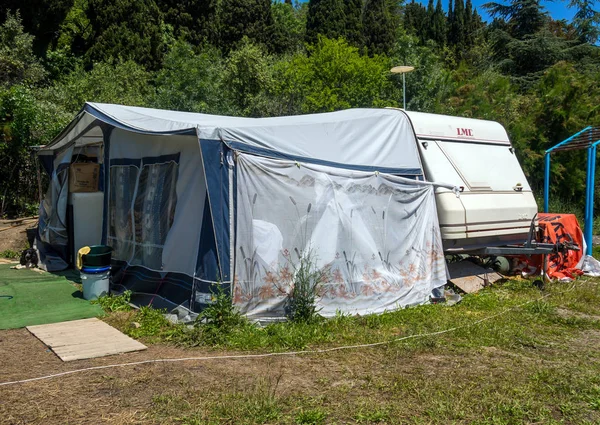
99, 256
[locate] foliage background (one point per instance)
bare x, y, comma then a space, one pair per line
536, 75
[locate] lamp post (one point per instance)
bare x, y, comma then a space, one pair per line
402, 69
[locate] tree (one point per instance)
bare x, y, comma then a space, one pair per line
354, 29
326, 18
249, 18
125, 83
586, 20
191, 81
193, 21
430, 14
75, 32
438, 25
379, 26
524, 17
522, 42
126, 29
415, 20
333, 76
41, 19
449, 22
248, 77
18, 64
427, 84
469, 27
289, 26
458, 27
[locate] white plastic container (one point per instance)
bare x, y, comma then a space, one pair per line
95, 285
88, 208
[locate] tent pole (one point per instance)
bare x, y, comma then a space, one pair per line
587, 228
591, 201
546, 181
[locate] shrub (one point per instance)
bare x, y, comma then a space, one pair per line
110, 303
300, 303
218, 320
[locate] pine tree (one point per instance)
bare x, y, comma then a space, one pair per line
458, 28
415, 20
439, 25
353, 33
430, 17
586, 21
379, 26
193, 21
469, 29
325, 17
126, 29
251, 18
524, 17
450, 23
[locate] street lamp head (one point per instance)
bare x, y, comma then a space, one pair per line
402, 69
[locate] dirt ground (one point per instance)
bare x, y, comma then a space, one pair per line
13, 236
345, 382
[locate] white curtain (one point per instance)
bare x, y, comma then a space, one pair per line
374, 237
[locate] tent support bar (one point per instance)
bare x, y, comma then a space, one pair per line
546, 181
589, 203
535, 249
564, 142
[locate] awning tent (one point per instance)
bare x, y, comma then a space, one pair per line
192, 200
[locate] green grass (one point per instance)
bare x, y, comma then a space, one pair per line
524, 326
533, 363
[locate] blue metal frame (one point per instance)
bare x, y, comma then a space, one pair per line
589, 183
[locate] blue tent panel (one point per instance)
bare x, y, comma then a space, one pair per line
217, 182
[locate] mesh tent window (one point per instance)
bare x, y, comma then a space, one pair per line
588, 138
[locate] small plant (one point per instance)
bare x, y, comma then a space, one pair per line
311, 417
152, 322
221, 314
110, 303
541, 308
10, 254
567, 409
300, 303
372, 416
218, 320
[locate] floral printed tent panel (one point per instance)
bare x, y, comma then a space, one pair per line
375, 237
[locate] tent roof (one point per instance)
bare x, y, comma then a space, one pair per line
380, 139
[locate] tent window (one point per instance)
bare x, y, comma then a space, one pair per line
123, 180
142, 210
154, 210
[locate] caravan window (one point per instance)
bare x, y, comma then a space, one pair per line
485, 167
142, 207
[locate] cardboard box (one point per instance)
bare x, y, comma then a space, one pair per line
83, 177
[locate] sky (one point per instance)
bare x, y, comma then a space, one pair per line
558, 9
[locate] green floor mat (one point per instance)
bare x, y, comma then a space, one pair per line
39, 298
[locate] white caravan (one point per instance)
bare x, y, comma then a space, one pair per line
496, 205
